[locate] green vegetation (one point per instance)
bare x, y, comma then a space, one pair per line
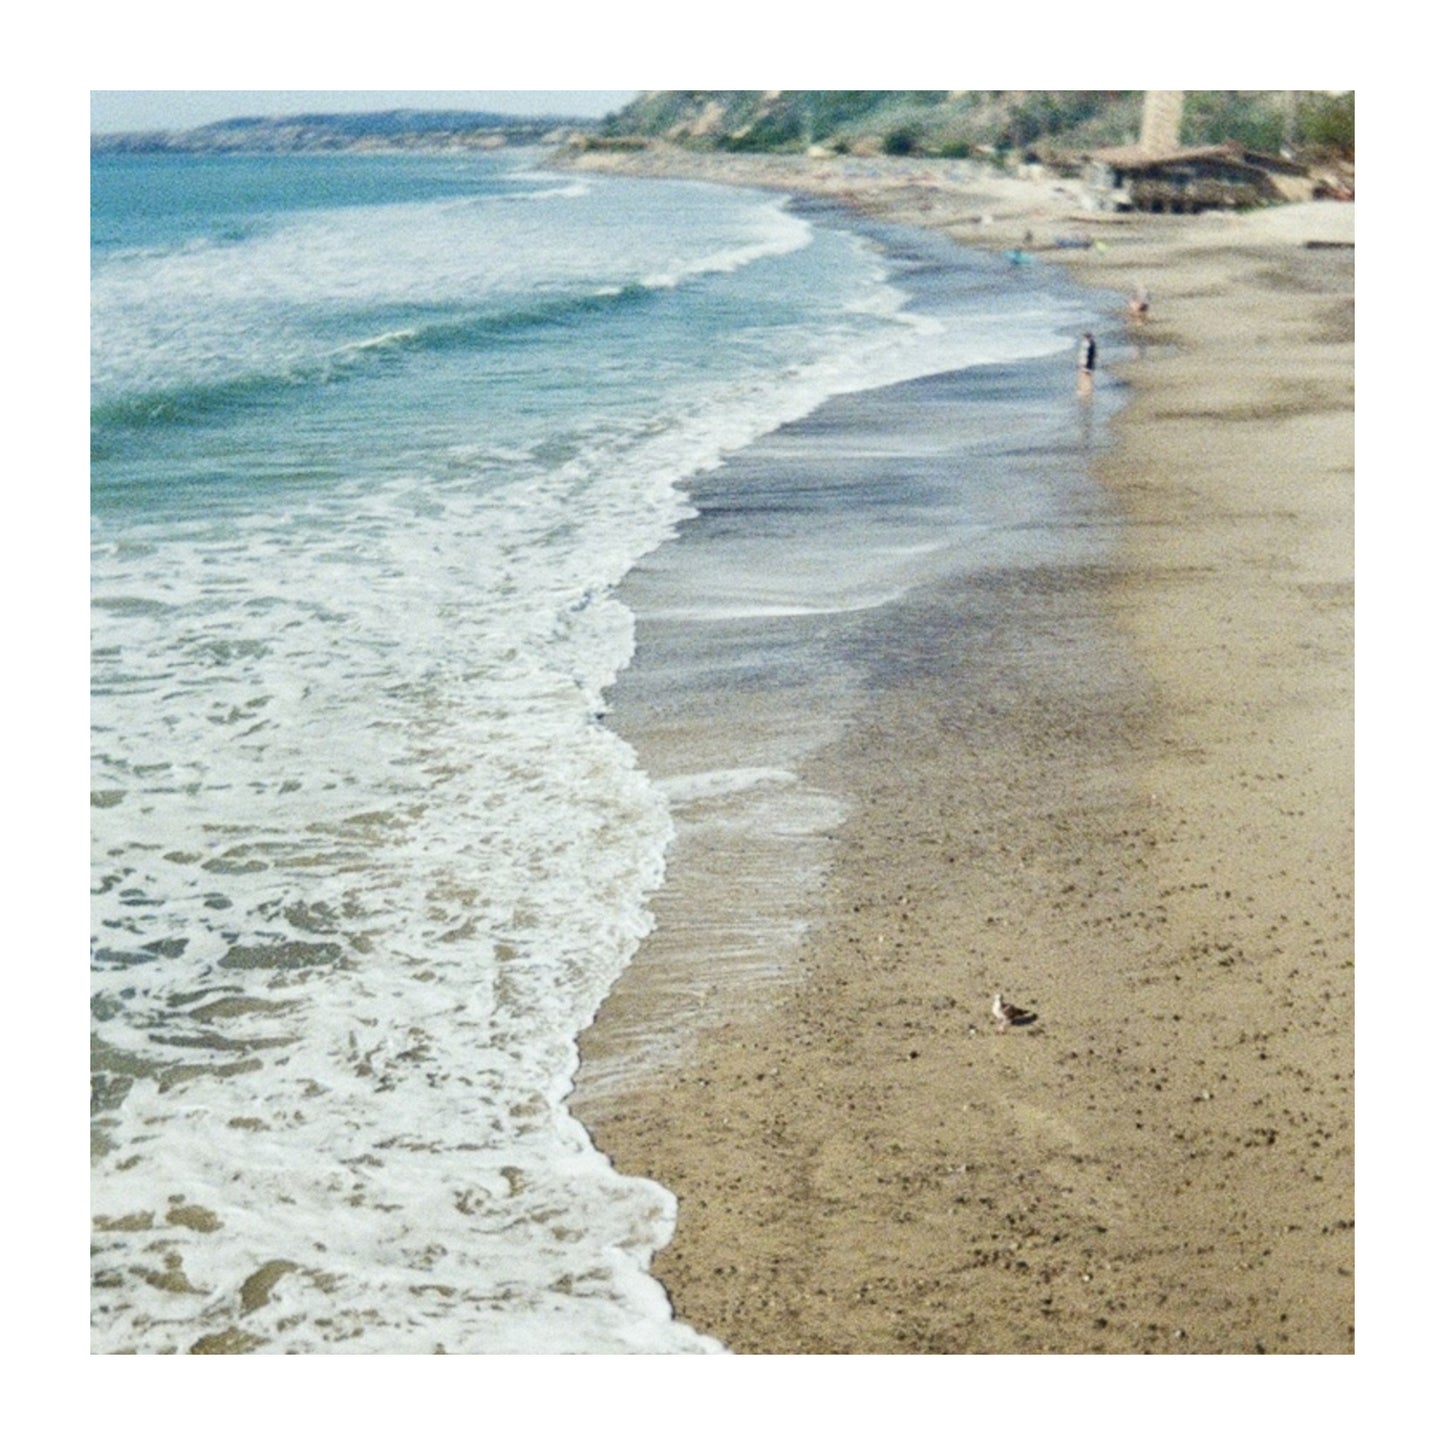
1315, 122
967, 122
1327, 123
1214, 116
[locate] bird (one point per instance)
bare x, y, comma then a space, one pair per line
1007, 1014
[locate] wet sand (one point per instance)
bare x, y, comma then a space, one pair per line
1119, 791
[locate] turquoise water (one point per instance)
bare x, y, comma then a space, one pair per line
375, 440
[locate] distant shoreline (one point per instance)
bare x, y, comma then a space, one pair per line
362, 133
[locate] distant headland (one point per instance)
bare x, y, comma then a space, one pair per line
376, 131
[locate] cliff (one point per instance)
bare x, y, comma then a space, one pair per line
964, 122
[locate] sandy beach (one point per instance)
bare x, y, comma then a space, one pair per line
1123, 795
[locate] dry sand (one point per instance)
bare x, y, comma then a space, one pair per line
1163, 1162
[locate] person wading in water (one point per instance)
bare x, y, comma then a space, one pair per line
1088, 356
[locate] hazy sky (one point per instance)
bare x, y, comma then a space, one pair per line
179, 109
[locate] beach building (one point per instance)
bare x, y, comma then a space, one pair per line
1197, 178
1158, 174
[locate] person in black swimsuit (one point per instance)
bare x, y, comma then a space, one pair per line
1088, 356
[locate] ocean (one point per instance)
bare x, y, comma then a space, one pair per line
404, 468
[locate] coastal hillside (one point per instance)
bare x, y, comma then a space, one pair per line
964, 122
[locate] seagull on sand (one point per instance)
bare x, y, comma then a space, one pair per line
1007, 1014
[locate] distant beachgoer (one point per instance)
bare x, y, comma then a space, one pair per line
1139, 304
1088, 357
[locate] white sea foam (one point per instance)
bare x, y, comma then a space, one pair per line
743, 611
788, 234
425, 864
690, 787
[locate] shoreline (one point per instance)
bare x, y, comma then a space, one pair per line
1157, 858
